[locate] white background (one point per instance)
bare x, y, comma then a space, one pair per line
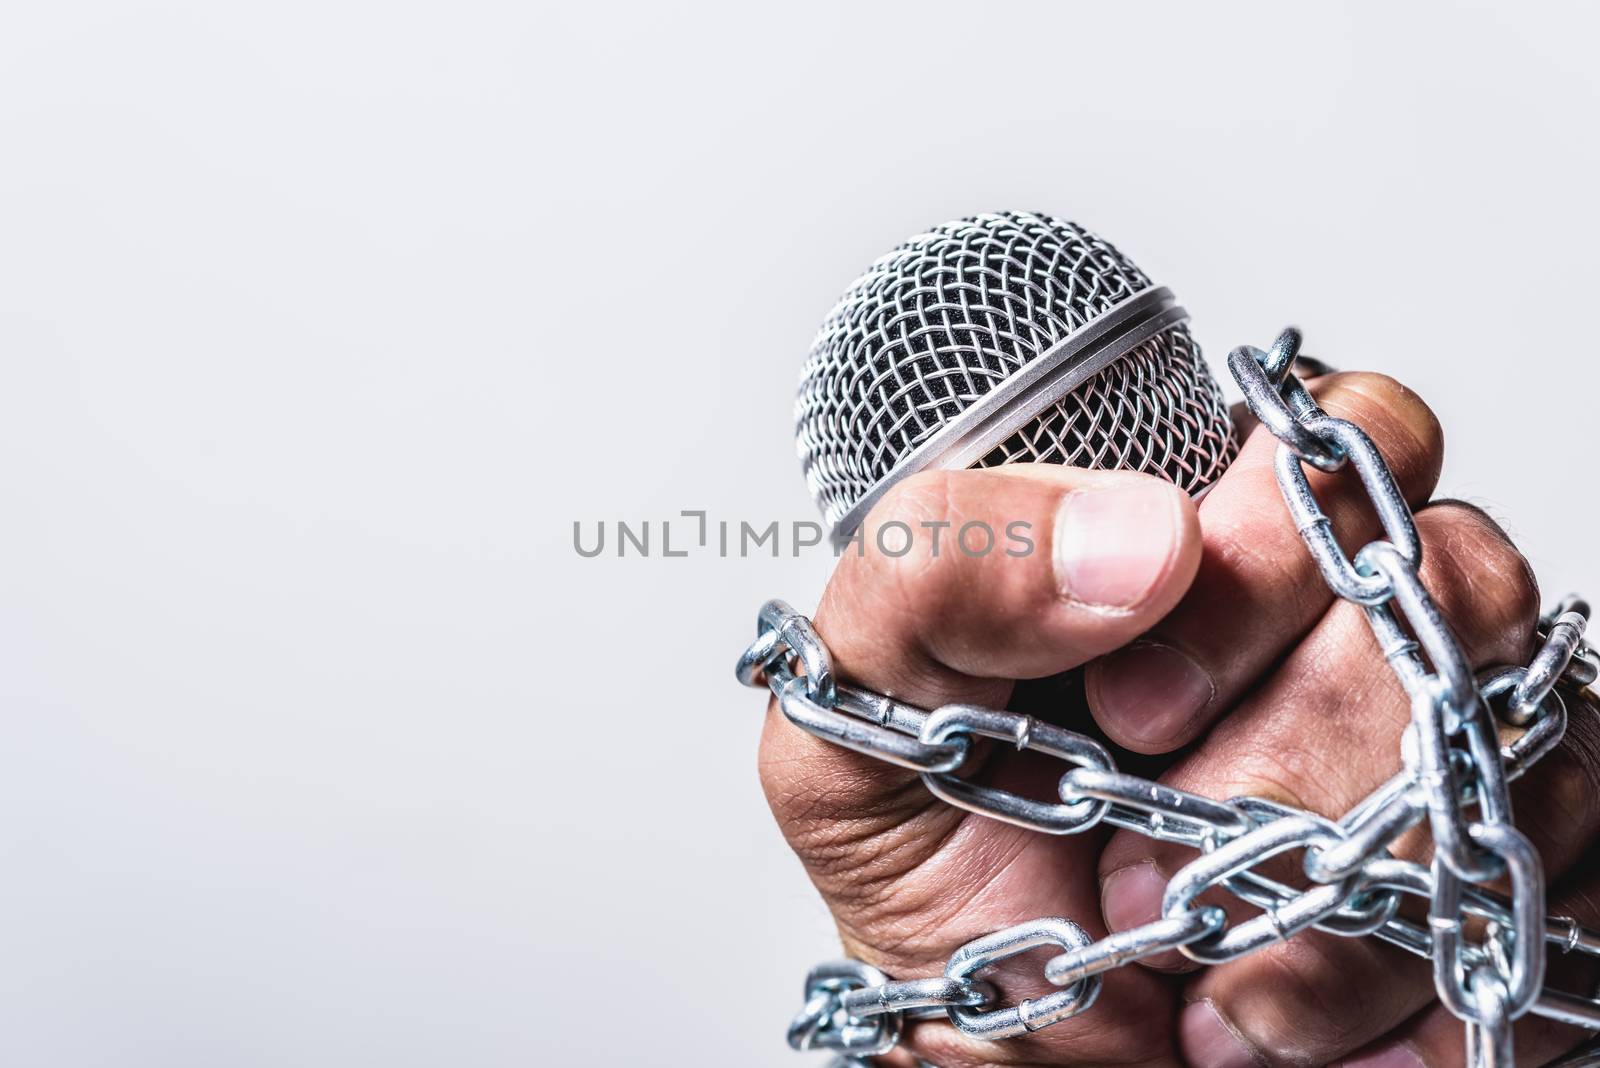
321, 323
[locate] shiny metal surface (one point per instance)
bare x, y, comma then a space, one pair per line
1002, 338
1030, 1015
1455, 774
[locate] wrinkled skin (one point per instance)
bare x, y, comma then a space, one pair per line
1210, 642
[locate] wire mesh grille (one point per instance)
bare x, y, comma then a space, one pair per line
936, 324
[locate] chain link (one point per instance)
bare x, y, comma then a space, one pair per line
1030, 1015
1455, 777
824, 1023
957, 722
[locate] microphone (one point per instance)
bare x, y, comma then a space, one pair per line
1001, 338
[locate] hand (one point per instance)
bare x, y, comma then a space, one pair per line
1239, 645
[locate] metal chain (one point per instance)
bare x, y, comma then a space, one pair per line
1455, 777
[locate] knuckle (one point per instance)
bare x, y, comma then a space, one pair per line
1582, 747
1405, 428
1290, 771
1561, 806
1278, 588
1485, 585
1298, 1004
922, 503
946, 560
924, 496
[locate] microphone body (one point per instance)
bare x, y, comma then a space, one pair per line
997, 339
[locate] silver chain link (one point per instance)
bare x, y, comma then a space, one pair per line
1455, 777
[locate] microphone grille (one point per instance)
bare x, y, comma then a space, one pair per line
938, 325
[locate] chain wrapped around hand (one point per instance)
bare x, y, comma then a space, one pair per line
1455, 775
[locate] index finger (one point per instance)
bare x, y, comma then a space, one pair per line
1258, 590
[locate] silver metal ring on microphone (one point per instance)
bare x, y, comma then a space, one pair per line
1042, 381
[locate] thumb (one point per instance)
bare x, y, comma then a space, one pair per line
1057, 565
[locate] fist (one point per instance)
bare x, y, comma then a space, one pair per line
1218, 662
